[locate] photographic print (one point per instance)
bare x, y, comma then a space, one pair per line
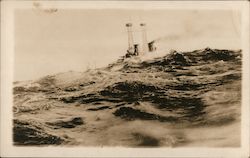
130, 77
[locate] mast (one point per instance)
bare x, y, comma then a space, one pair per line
130, 37
144, 38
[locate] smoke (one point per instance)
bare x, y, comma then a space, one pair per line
188, 32
168, 37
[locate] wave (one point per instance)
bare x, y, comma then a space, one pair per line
194, 89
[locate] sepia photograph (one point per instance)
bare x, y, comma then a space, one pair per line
130, 75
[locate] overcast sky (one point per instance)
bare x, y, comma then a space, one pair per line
48, 43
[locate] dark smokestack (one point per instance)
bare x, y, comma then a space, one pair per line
151, 46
